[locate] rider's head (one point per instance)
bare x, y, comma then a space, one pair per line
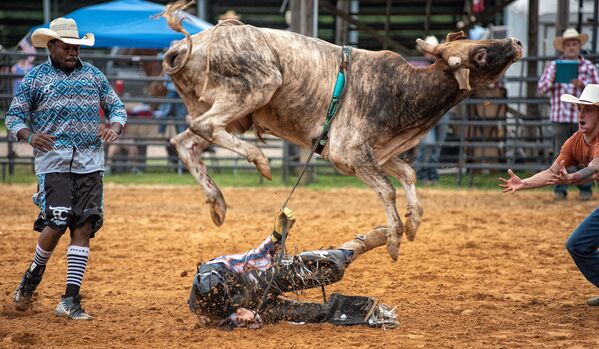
210, 296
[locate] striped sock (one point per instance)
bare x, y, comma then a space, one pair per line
41, 256
76, 263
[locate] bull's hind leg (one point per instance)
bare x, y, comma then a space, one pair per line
212, 126
190, 147
406, 175
366, 168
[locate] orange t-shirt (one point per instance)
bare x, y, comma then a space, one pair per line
577, 152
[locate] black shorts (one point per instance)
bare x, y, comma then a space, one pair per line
67, 200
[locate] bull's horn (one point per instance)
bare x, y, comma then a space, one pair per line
425, 46
174, 18
462, 75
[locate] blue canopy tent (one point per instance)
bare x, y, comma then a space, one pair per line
129, 24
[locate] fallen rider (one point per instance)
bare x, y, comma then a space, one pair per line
247, 289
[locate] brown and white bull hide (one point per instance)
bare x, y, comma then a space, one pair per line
235, 76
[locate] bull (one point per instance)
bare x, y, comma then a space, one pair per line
234, 76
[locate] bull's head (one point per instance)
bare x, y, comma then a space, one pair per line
474, 63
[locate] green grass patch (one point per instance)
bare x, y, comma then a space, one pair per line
250, 178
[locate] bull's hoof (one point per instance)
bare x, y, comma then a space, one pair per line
264, 169
393, 246
218, 210
217, 217
411, 228
413, 218
393, 250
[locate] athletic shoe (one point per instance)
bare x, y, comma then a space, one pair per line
24, 294
560, 196
586, 195
593, 302
70, 307
384, 317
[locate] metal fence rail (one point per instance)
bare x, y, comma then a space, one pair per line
475, 142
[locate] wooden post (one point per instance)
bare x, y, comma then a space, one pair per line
341, 25
302, 18
533, 27
563, 16
387, 20
595, 18
427, 21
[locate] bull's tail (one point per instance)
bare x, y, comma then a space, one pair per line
174, 18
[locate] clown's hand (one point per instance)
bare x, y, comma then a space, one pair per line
285, 219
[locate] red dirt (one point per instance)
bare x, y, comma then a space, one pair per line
486, 270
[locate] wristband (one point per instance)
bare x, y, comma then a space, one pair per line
29, 138
276, 236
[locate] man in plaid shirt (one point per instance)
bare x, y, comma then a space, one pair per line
563, 115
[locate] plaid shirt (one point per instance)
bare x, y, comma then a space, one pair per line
260, 258
561, 111
66, 106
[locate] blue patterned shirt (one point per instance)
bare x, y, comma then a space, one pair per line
66, 106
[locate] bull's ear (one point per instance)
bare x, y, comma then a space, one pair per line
480, 57
456, 36
425, 46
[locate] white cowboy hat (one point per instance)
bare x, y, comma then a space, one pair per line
569, 34
431, 40
63, 29
589, 96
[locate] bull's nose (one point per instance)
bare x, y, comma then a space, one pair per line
517, 42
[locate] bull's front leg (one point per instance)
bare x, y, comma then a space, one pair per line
407, 177
248, 150
370, 173
189, 148
211, 126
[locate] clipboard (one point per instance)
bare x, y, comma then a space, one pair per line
566, 70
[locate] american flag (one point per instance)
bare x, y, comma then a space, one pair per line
26, 46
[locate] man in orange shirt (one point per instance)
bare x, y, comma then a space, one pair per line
582, 149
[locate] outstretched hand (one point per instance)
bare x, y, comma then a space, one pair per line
561, 176
513, 184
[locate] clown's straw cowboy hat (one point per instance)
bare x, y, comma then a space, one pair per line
229, 14
569, 34
589, 96
63, 29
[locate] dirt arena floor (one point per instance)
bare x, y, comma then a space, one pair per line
487, 270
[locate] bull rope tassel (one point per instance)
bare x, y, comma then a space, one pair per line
319, 144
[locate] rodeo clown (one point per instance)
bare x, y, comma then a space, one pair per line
245, 290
